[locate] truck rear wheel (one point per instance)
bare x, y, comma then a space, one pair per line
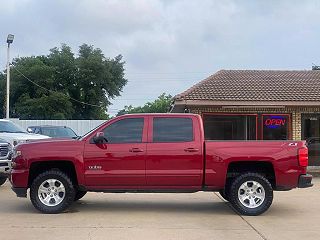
52, 192
3, 180
251, 194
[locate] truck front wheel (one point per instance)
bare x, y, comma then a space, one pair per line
3, 180
52, 192
251, 194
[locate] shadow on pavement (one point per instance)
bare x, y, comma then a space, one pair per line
151, 206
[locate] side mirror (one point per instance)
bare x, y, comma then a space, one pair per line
29, 130
99, 138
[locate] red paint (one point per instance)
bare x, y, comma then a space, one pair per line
194, 165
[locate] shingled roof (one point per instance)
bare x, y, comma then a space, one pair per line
273, 86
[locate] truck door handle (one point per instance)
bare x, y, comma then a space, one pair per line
191, 150
135, 150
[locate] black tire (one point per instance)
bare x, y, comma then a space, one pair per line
79, 195
68, 196
262, 205
2, 180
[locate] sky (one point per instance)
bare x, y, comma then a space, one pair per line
169, 45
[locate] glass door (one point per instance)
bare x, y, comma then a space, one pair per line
311, 133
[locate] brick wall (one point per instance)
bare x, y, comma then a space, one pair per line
295, 113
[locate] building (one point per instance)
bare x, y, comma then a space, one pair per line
257, 105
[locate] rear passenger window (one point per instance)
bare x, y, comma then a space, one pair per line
128, 130
172, 129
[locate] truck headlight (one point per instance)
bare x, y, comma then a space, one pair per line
9, 147
16, 142
16, 153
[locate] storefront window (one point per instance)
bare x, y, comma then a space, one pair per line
230, 127
275, 127
310, 127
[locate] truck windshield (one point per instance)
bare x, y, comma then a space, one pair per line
9, 127
58, 132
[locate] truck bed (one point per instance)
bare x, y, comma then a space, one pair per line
281, 155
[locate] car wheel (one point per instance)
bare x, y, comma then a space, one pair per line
79, 195
52, 192
251, 194
3, 180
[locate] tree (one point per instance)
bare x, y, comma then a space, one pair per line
61, 85
160, 105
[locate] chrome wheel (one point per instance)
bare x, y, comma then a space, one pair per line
251, 194
51, 192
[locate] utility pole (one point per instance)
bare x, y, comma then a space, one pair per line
9, 41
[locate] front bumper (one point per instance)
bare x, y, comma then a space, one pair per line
305, 181
5, 168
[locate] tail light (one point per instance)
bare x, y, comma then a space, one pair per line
303, 156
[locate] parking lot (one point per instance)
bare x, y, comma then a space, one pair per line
293, 215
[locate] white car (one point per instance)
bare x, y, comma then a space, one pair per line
10, 136
5, 160
14, 134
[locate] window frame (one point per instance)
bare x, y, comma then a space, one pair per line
256, 115
289, 133
151, 119
110, 122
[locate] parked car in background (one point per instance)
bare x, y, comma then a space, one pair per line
5, 160
14, 134
10, 136
53, 131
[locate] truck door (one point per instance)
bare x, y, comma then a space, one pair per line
120, 162
174, 152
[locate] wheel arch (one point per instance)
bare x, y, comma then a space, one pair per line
65, 166
264, 168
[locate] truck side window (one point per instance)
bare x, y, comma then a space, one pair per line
172, 129
128, 130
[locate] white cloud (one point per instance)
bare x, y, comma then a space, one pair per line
188, 39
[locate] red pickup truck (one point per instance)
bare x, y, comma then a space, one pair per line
157, 153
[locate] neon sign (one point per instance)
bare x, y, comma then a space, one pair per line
275, 121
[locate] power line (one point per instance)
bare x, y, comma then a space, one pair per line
76, 100
84, 103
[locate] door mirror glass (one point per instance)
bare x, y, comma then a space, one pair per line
99, 138
29, 130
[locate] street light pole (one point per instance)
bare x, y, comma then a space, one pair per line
9, 41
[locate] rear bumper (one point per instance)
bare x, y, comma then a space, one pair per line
305, 181
20, 192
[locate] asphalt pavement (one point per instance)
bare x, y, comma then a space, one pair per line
293, 215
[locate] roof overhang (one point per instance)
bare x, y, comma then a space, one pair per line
179, 104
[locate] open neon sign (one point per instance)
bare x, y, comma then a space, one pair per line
275, 121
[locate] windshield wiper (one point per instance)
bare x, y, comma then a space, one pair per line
11, 132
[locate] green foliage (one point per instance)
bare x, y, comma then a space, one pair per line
160, 105
72, 80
